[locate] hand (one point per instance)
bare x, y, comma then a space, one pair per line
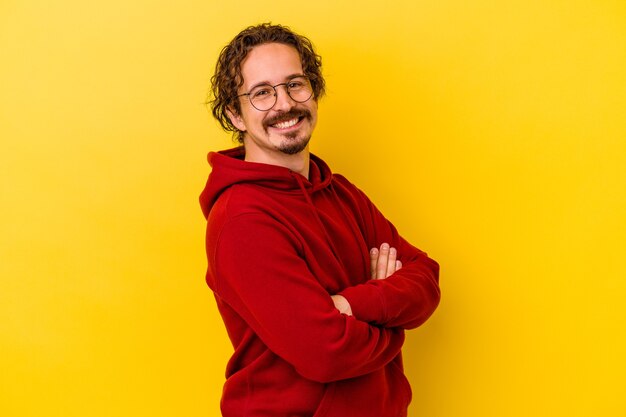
384, 262
342, 304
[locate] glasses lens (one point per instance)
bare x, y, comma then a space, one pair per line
263, 97
299, 89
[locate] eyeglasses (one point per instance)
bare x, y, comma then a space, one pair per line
263, 97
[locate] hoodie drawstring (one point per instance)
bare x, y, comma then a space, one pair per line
316, 215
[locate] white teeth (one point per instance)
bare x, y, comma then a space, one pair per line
286, 124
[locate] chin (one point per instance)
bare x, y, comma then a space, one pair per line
294, 146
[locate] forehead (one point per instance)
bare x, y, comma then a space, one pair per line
270, 62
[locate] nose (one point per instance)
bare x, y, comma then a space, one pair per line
283, 101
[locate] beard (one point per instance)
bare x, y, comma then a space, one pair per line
292, 144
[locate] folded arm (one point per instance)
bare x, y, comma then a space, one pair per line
407, 296
256, 267
383, 263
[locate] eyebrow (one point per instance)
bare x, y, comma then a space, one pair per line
287, 78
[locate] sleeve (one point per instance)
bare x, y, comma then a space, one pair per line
408, 297
257, 270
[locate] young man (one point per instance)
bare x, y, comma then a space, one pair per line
315, 316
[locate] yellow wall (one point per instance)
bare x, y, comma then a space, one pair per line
492, 133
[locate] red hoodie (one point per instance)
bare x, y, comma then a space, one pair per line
278, 247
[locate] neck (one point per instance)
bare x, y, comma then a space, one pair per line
297, 163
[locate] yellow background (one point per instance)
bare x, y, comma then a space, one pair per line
492, 133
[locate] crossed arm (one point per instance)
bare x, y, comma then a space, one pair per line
321, 344
383, 263
284, 305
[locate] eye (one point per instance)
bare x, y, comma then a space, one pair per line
295, 84
262, 92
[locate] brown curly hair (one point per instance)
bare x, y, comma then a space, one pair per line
227, 78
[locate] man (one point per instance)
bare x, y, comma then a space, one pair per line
316, 318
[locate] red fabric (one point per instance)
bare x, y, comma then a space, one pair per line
278, 246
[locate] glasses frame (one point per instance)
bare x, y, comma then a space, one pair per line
308, 80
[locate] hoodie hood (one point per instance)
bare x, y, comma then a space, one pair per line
230, 168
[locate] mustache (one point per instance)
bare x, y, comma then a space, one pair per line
288, 115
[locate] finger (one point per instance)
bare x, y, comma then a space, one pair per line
381, 265
398, 265
373, 261
391, 262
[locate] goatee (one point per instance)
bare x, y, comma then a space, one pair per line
293, 145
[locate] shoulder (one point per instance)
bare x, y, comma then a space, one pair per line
244, 204
345, 186
239, 199
241, 222
341, 181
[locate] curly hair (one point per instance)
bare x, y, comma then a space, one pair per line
227, 78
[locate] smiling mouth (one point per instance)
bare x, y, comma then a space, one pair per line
285, 121
286, 124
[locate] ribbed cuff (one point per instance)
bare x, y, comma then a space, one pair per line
366, 302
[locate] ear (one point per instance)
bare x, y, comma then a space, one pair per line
236, 119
